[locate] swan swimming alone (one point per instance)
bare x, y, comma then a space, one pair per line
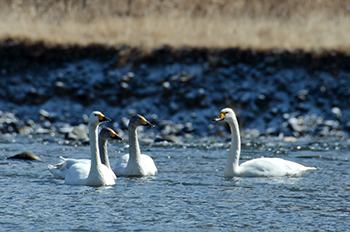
99, 174
260, 167
135, 163
60, 170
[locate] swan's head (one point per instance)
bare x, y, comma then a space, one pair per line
107, 133
138, 120
225, 114
97, 117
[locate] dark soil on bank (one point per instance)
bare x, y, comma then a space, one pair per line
179, 90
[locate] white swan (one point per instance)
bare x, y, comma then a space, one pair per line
60, 170
135, 163
261, 167
103, 137
99, 174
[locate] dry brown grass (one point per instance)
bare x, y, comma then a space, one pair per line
256, 24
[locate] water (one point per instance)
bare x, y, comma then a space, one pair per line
189, 193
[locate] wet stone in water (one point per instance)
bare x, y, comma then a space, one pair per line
26, 155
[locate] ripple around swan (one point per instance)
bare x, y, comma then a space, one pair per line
189, 193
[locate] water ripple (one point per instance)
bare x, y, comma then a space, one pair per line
190, 193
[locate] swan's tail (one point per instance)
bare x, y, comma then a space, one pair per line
58, 170
308, 169
304, 171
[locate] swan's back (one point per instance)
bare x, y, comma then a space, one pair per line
77, 174
149, 163
145, 168
61, 169
272, 167
121, 165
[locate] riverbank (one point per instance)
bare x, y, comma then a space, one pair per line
276, 92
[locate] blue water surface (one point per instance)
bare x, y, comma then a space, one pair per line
190, 192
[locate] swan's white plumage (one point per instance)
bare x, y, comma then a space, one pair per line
61, 169
88, 172
135, 163
78, 174
144, 167
261, 167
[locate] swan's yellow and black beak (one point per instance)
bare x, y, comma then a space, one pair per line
115, 136
102, 118
146, 123
220, 117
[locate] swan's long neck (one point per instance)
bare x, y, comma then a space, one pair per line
95, 154
232, 163
134, 148
102, 144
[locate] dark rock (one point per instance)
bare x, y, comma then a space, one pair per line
261, 86
168, 138
26, 155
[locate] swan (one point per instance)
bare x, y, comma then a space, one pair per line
98, 174
135, 163
105, 135
260, 167
60, 170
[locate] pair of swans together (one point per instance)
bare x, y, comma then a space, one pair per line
97, 171
260, 167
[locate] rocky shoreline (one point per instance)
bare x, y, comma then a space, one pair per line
274, 93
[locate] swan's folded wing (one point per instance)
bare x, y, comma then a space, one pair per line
78, 174
70, 162
273, 167
120, 167
60, 170
149, 165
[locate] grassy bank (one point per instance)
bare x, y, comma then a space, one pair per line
255, 24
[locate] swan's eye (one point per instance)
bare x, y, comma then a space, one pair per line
222, 115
